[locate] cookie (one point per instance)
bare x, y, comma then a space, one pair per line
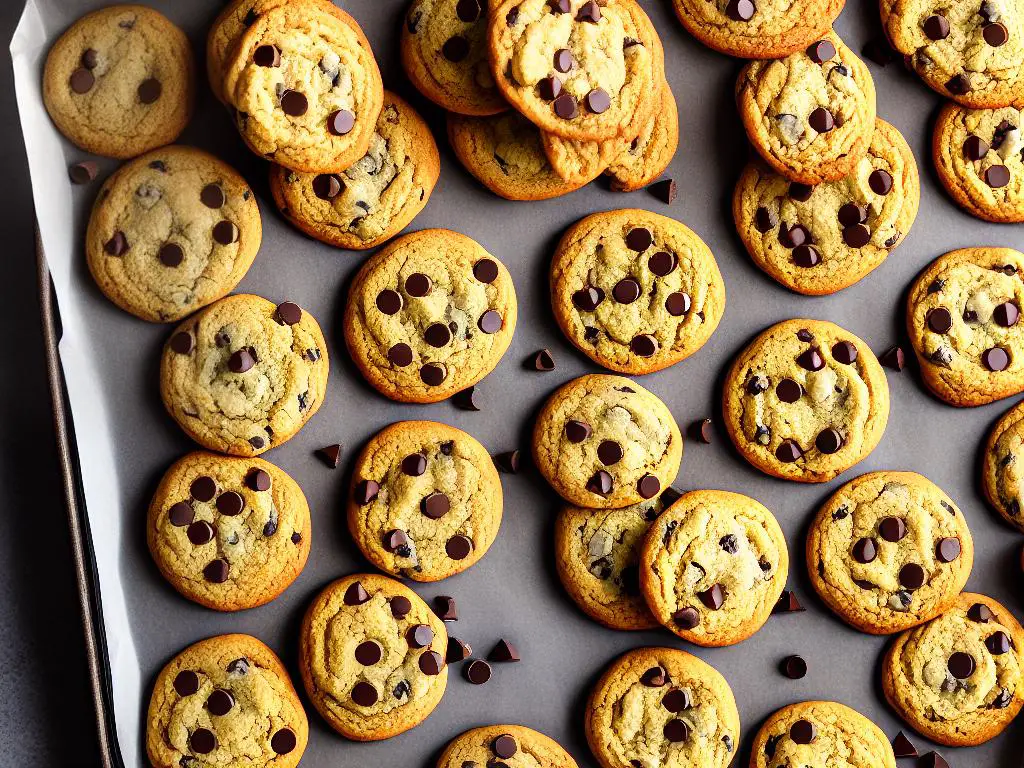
635, 291
512, 746
962, 314
243, 376
1001, 477
957, 679
228, 533
372, 656
577, 68
120, 81
805, 401
171, 232
811, 114
425, 501
444, 53
820, 239
226, 700
820, 734
605, 442
972, 53
662, 708
979, 156
889, 551
374, 199
305, 88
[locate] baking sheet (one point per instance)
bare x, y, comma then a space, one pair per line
126, 441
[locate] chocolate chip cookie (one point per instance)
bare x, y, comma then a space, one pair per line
120, 81
957, 679
805, 401
511, 746
819, 239
226, 700
811, 114
1001, 472
372, 657
244, 375
962, 314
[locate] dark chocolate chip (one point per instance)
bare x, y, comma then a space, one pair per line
216, 571
794, 667
400, 355
644, 345
455, 48
892, 529
490, 321
960, 665
686, 618
267, 56
880, 182
503, 651
664, 189
821, 51
912, 576
202, 741
150, 90
948, 549
294, 103
364, 694
283, 741
576, 431
458, 547
803, 732
600, 483
997, 176
995, 359
477, 671
564, 103
355, 594
639, 239
788, 452
936, 27
865, 550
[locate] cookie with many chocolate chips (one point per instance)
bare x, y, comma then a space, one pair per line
429, 315
372, 657
1002, 466
712, 567
811, 114
820, 239
228, 533
244, 375
962, 318
226, 700
889, 551
805, 401
957, 679
662, 708
425, 501
635, 291
510, 746
374, 199
120, 81
605, 442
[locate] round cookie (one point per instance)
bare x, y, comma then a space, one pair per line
1001, 473
511, 746
649, 154
662, 708
820, 734
444, 53
972, 53
811, 114
429, 315
425, 501
597, 554
226, 700
171, 232
979, 156
577, 68
805, 401
374, 199
605, 442
889, 551
228, 533
120, 81
372, 655
957, 679
820, 239
962, 319
243, 376
305, 88
635, 291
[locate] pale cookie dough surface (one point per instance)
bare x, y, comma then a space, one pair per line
429, 315
662, 708
979, 156
605, 442
797, 409
1002, 466
226, 700
374, 199
425, 501
577, 161
649, 154
811, 114
712, 567
889, 551
511, 746
963, 322
242, 376
171, 232
120, 81
635, 291
376, 620
957, 679
818, 240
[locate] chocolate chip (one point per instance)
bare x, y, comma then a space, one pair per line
677, 304
435, 505
912, 576
419, 636
216, 571
857, 236
788, 391
676, 700
609, 452
400, 606
664, 190
241, 361
283, 741
960, 665
182, 342
490, 321
794, 236
563, 60
662, 263
225, 232
589, 12
433, 374
654, 677
417, 284
588, 299
200, 532
995, 34
598, 101
648, 486
328, 186
788, 452
806, 256
458, 650
576, 431
181, 514
793, 667
676, 730
639, 239
686, 618
455, 48
202, 741
83, 172
203, 489
477, 671
995, 359
958, 85
220, 702
503, 651
400, 355
230, 503
288, 313
82, 81
811, 360
549, 89
821, 51
186, 683
998, 643
851, 214
150, 91
504, 746
117, 245
936, 27
894, 358
948, 549
980, 613
765, 220
828, 441
702, 431
933, 760
90, 58
939, 320
788, 603
396, 541
560, 6
864, 550
542, 360
355, 594
902, 746
644, 345
713, 597
364, 694
1006, 314
600, 483
437, 335
803, 732
844, 352
892, 529
458, 547
975, 148
564, 103
821, 120
997, 176
800, 192
486, 270
740, 10
267, 56
468, 10
294, 103
368, 653
880, 182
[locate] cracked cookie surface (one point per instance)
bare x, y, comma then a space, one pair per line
511, 746
1002, 471
226, 700
371, 653
244, 375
